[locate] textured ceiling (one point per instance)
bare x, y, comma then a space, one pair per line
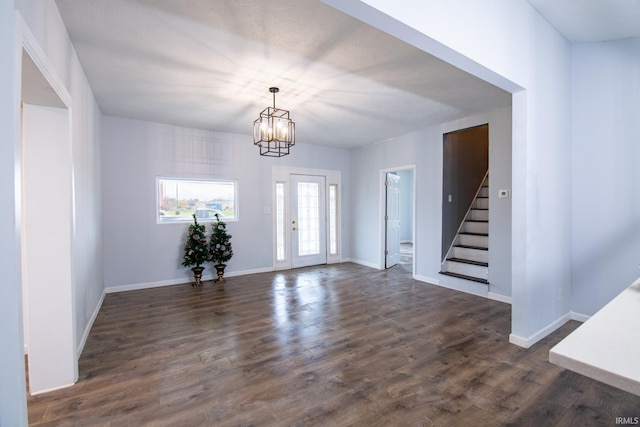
209, 65
592, 20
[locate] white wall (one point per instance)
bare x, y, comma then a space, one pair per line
47, 32
606, 173
406, 204
509, 44
49, 37
140, 252
13, 403
424, 149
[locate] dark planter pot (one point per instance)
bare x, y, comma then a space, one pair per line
197, 274
220, 270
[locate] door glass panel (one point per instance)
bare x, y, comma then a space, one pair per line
333, 219
280, 236
308, 218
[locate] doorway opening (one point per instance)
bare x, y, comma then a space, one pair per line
465, 164
47, 227
398, 217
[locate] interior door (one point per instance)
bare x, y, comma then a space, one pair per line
308, 221
392, 220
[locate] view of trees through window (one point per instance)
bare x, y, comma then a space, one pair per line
179, 199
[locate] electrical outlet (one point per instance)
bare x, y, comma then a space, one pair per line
560, 294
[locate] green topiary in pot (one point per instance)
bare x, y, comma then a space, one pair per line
196, 250
220, 250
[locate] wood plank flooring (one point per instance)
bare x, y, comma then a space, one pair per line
332, 345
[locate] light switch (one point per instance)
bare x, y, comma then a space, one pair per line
450, 198
504, 194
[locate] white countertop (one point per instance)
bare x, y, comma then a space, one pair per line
607, 346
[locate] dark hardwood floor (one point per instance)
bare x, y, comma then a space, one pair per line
329, 346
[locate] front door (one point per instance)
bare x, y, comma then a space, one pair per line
308, 222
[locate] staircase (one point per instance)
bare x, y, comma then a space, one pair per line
468, 257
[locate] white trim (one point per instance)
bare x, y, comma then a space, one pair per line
579, 317
426, 279
499, 297
517, 340
181, 281
37, 55
472, 288
364, 263
540, 334
90, 323
189, 220
35, 393
490, 295
30, 44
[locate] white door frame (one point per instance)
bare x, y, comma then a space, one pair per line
52, 350
283, 174
382, 210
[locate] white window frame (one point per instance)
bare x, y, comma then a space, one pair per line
188, 218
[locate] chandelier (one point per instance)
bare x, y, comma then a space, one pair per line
274, 132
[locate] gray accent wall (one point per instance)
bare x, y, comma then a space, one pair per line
138, 251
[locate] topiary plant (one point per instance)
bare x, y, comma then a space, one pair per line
220, 250
196, 249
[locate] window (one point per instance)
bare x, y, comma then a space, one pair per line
180, 198
309, 218
333, 219
280, 225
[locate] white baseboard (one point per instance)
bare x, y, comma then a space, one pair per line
51, 389
491, 295
579, 317
472, 288
181, 281
499, 297
87, 330
365, 263
537, 336
149, 285
426, 279
517, 340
